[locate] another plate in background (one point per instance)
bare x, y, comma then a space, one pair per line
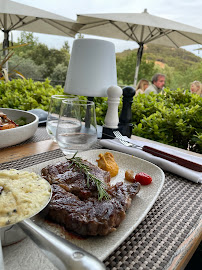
19, 134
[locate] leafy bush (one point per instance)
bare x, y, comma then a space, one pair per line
101, 106
26, 94
173, 118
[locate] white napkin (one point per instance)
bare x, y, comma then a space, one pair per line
162, 163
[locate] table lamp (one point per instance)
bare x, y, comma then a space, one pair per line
92, 69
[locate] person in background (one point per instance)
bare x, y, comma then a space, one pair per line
141, 86
158, 82
196, 88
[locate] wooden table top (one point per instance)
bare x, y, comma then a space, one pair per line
24, 150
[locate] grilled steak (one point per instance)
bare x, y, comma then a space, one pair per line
73, 180
76, 207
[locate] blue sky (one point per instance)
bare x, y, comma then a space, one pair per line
184, 11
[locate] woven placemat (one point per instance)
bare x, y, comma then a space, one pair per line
154, 242
40, 135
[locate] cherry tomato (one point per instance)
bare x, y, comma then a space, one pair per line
143, 178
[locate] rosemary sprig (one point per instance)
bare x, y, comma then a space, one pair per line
101, 186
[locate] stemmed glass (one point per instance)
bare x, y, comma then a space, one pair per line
77, 128
53, 113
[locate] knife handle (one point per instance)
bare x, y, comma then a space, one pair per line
181, 161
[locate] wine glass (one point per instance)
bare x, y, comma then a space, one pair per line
77, 128
53, 113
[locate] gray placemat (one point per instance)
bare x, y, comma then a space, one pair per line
155, 241
40, 135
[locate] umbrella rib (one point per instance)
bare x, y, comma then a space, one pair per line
10, 20
2, 25
188, 37
100, 23
171, 39
93, 24
132, 32
152, 35
19, 21
52, 24
147, 38
161, 33
36, 19
122, 31
133, 29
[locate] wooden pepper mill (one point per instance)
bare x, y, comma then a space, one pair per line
125, 126
112, 117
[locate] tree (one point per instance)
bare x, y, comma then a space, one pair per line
66, 46
79, 35
54, 58
26, 67
126, 69
40, 54
26, 38
59, 73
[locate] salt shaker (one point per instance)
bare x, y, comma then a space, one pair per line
112, 117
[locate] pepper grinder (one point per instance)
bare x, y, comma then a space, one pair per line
125, 121
112, 117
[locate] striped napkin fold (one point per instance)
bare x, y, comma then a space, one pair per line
164, 164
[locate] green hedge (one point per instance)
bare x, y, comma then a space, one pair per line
174, 118
26, 94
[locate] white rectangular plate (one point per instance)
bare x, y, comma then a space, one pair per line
102, 246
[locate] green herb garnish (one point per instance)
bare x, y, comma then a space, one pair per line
78, 162
21, 121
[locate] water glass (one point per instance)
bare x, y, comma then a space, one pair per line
53, 113
77, 128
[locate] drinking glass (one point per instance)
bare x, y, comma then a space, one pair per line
77, 128
53, 113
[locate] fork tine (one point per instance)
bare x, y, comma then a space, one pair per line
118, 134
124, 141
120, 137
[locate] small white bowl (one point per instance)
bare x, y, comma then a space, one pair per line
17, 135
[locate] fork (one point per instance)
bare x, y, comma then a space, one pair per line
181, 161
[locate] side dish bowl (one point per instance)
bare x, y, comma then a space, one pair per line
19, 134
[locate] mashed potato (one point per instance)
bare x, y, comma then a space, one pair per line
22, 194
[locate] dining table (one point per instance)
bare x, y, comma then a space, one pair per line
166, 238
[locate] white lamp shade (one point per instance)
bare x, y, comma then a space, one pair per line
92, 68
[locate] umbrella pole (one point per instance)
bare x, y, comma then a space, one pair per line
139, 57
5, 42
